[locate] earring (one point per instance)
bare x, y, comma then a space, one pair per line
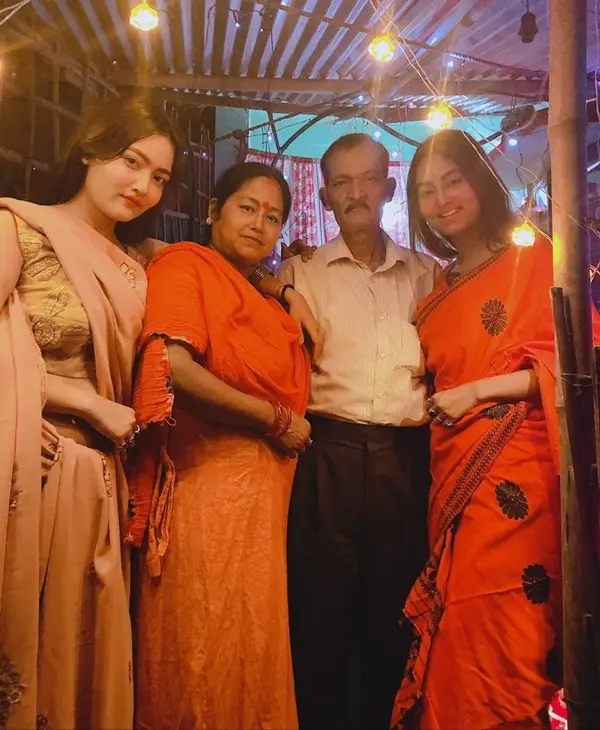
209, 221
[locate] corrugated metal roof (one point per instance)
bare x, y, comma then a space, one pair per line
271, 48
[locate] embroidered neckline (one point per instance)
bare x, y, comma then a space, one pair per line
457, 284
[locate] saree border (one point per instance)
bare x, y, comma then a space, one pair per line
424, 606
449, 289
480, 461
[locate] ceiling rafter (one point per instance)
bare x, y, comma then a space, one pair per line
492, 87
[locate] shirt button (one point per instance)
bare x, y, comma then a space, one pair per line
381, 317
380, 395
383, 356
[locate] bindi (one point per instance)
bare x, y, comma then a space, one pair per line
267, 206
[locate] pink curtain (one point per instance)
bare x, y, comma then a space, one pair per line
310, 221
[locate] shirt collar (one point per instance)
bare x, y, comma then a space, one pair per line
337, 250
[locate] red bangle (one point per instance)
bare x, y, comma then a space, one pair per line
282, 421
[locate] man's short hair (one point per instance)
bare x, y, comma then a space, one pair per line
350, 142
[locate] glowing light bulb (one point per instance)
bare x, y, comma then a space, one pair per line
382, 48
440, 116
143, 17
523, 235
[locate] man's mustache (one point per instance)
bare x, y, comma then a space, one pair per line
356, 206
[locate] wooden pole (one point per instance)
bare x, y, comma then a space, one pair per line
55, 113
32, 126
579, 480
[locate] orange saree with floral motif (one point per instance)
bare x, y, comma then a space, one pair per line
486, 609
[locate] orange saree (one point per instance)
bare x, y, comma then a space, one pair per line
213, 646
486, 609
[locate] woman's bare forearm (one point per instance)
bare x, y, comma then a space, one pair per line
270, 286
217, 401
510, 388
70, 396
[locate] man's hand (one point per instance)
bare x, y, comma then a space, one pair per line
297, 248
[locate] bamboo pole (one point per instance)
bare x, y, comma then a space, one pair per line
571, 297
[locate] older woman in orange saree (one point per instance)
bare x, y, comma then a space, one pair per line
221, 388
486, 609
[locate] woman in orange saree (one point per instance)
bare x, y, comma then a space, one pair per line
486, 609
222, 386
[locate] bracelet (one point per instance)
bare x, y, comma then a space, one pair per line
281, 423
281, 294
260, 272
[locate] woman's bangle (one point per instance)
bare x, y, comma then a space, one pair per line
282, 421
259, 273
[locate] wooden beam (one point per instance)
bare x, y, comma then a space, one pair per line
532, 89
55, 112
29, 37
396, 114
32, 125
40, 101
19, 159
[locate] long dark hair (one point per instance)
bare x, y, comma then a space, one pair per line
107, 131
234, 177
496, 220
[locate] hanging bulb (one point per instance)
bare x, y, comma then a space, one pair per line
523, 235
143, 17
382, 48
440, 116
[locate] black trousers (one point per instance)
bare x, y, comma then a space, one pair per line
356, 543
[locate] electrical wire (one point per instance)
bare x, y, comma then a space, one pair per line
416, 66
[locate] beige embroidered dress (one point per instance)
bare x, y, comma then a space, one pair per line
65, 633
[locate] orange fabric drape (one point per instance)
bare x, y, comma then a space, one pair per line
213, 638
241, 337
486, 609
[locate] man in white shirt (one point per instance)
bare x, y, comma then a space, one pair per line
357, 522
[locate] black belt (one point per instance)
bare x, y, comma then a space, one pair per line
328, 429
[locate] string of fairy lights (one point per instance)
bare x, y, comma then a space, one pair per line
382, 49
440, 116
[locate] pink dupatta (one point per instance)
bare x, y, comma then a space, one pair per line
29, 446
